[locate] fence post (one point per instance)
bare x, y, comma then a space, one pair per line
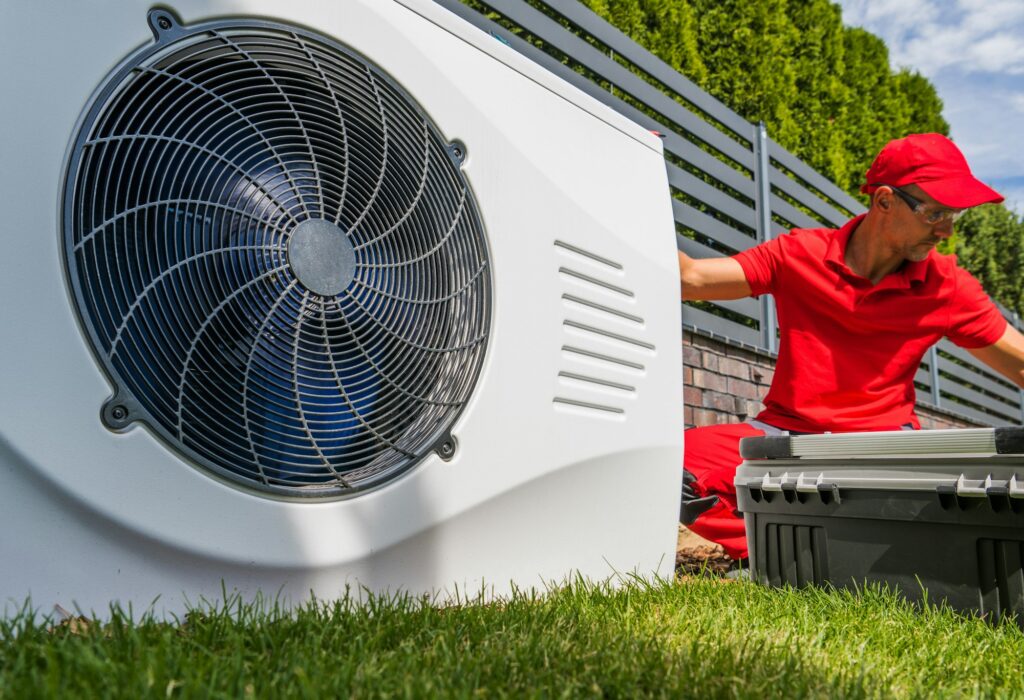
933, 369
762, 183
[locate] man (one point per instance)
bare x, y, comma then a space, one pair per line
858, 307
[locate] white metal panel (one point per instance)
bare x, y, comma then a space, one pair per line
537, 490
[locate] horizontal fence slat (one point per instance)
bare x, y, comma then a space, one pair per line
798, 218
705, 162
1011, 396
716, 199
748, 306
813, 177
702, 320
825, 212
986, 403
946, 346
711, 227
695, 249
588, 21
540, 25
974, 414
923, 376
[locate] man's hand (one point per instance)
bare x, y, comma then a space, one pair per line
691, 506
707, 279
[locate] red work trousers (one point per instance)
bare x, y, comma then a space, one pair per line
712, 454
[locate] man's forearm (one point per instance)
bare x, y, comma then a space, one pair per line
707, 279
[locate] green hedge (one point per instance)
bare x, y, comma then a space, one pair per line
826, 91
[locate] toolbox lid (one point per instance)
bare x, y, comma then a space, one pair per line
896, 443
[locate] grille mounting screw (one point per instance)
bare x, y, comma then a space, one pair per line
164, 23
457, 151
118, 413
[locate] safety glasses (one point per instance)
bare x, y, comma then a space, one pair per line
930, 216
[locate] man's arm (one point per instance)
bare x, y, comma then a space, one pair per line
1006, 355
707, 279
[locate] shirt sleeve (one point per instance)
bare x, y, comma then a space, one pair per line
974, 321
761, 266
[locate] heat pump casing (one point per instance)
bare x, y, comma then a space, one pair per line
554, 473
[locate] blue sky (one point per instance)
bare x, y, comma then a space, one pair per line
973, 52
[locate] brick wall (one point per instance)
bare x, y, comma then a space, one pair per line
724, 382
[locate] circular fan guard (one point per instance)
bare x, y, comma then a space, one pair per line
317, 364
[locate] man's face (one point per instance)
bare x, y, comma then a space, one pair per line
912, 233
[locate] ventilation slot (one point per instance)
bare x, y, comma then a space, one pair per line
1001, 578
596, 407
593, 305
598, 381
617, 362
565, 271
632, 343
796, 555
588, 255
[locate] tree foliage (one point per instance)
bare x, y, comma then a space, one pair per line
826, 92
989, 242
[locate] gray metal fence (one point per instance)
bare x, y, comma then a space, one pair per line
732, 185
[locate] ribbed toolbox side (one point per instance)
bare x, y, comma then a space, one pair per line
946, 526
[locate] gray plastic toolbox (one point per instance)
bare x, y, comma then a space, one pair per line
935, 510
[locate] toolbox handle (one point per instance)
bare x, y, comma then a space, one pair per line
984, 489
802, 483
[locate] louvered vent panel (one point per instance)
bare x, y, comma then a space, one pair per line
796, 555
604, 349
1001, 578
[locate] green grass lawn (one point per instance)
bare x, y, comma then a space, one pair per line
699, 637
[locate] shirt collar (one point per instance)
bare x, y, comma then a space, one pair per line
835, 257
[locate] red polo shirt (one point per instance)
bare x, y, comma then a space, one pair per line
849, 350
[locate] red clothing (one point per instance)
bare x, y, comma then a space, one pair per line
712, 454
847, 356
848, 350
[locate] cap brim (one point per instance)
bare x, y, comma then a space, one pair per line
960, 192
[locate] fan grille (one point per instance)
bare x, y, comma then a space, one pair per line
261, 355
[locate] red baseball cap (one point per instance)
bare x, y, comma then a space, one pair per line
933, 163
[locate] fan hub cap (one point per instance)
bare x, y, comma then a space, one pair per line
321, 257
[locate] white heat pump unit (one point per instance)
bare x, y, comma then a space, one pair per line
300, 295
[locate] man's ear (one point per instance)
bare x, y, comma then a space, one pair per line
883, 198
